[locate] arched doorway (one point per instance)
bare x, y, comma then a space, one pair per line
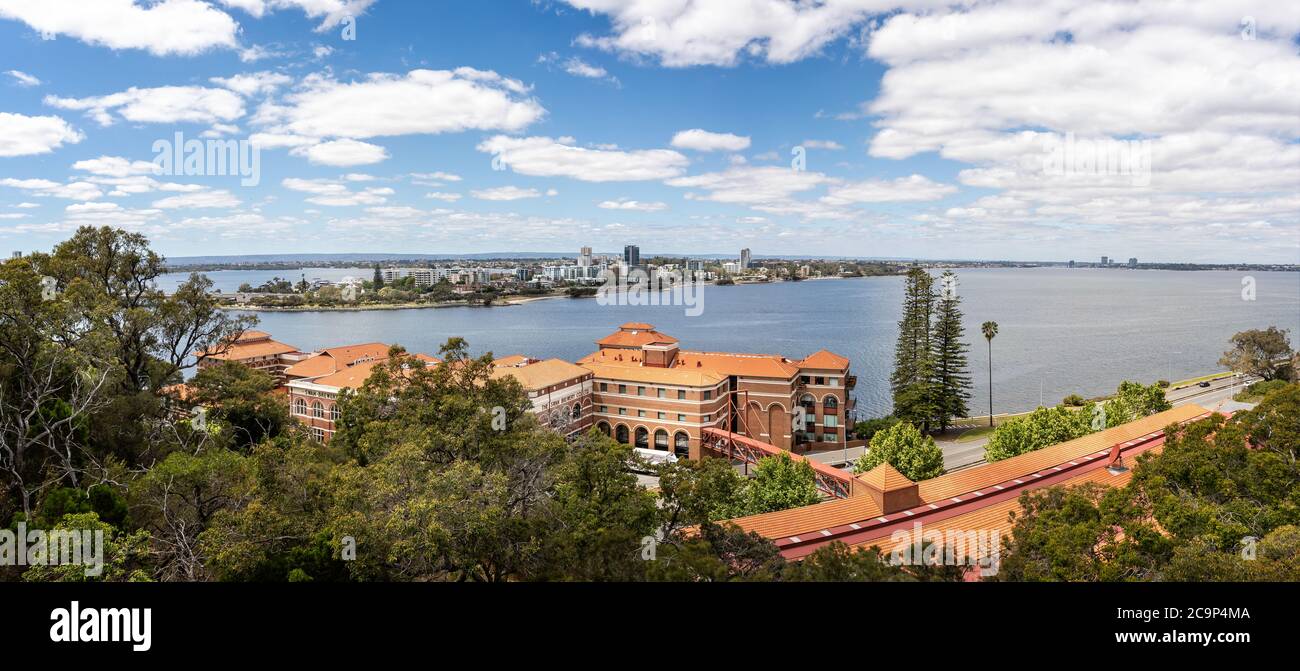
642, 437
682, 445
604, 427
661, 440
620, 434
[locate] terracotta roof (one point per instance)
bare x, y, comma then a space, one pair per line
980, 481
986, 475
241, 350
353, 377
608, 367
743, 365
511, 360
542, 374
253, 335
335, 359
825, 360
885, 478
637, 326
635, 339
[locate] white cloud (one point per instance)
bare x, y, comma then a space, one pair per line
197, 200
44, 187
903, 189
164, 104
182, 27
22, 135
443, 196
331, 12
547, 157
752, 185
114, 166
422, 101
434, 178
633, 205
702, 140
254, 83
334, 193
344, 153
507, 193
829, 145
23, 79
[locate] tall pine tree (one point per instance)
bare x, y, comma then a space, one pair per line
951, 372
912, 383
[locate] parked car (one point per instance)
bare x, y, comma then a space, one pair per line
1204, 384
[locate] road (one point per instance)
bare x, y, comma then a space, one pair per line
1218, 396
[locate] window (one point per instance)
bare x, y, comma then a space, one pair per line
681, 394
335, 413
662, 415
642, 437
622, 411
707, 418
317, 410
318, 434
622, 389
682, 444
831, 421
819, 380
832, 382
604, 387
620, 434
681, 418
577, 410
708, 394
604, 408
640, 413
661, 440
640, 391
300, 407
803, 379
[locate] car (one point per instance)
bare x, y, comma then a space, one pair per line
1203, 384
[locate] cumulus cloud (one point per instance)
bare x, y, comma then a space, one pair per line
164, 104
702, 140
632, 205
547, 157
254, 83
22, 135
335, 193
508, 193
198, 200
343, 153
331, 12
170, 27
903, 189
420, 102
78, 190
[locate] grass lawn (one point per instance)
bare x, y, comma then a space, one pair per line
974, 434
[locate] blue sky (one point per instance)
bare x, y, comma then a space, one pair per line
923, 130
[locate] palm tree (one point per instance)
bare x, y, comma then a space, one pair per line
990, 332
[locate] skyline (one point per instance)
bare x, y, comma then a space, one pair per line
871, 129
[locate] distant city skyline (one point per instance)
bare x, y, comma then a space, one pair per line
899, 129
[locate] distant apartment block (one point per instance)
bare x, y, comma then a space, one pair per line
255, 349
745, 258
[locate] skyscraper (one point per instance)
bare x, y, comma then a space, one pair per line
632, 255
584, 257
1105, 260
744, 258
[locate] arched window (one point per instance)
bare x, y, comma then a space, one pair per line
317, 410
830, 404
335, 413
682, 444
604, 427
642, 437
661, 440
620, 434
577, 410
318, 434
807, 401
300, 407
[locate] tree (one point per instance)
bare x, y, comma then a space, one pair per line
904, 447
1264, 353
1042, 427
694, 492
1133, 401
124, 555
913, 379
242, 399
952, 375
378, 282
990, 331
780, 483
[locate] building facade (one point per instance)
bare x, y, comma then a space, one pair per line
650, 393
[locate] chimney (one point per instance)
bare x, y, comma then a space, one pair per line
891, 490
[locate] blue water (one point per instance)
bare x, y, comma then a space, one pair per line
1067, 330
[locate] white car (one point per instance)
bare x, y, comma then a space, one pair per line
651, 458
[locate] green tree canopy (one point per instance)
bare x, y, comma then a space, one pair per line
904, 447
